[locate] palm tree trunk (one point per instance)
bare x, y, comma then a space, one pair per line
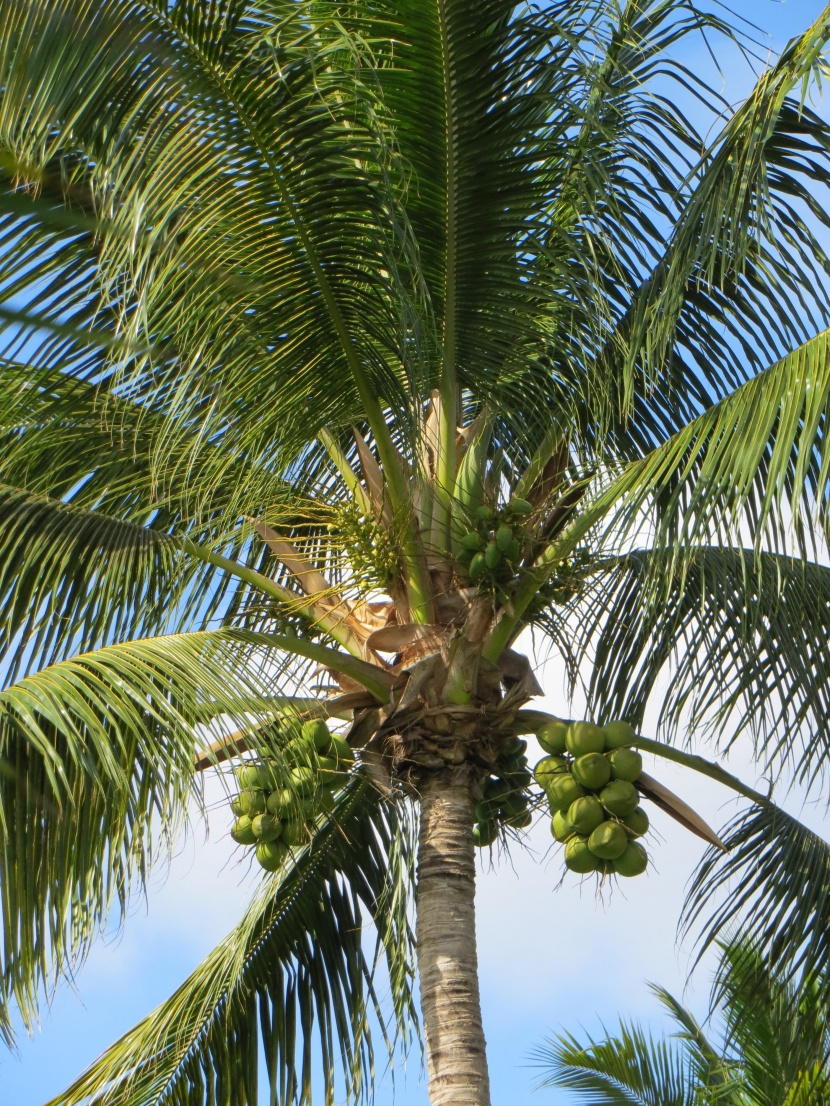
447, 960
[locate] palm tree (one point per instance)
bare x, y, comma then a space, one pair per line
773, 1048
305, 300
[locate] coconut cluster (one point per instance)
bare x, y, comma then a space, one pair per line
278, 804
491, 550
504, 799
589, 778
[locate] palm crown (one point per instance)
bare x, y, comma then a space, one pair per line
311, 307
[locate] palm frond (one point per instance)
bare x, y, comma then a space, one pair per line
293, 975
629, 1069
775, 877
738, 638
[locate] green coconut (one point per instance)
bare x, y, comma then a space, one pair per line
281, 802
551, 736
520, 820
303, 780
584, 737
251, 776
250, 802
520, 506
478, 567
317, 732
562, 791
294, 832
242, 831
514, 805
626, 764
504, 536
518, 777
485, 833
592, 770
342, 751
328, 771
266, 827
633, 861
497, 791
620, 797
473, 541
618, 734
548, 767
513, 551
560, 826
586, 814
579, 858
485, 513
271, 854
608, 841
492, 555
238, 806
636, 822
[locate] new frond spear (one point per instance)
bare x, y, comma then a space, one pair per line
346, 343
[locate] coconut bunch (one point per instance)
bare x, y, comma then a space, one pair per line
491, 548
278, 804
589, 778
505, 799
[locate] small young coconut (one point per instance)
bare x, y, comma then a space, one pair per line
473, 540
562, 791
584, 737
592, 770
579, 858
636, 822
633, 862
626, 764
619, 798
586, 814
560, 826
504, 536
608, 841
618, 734
492, 555
551, 736
520, 506
478, 567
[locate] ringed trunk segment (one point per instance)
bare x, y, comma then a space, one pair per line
446, 942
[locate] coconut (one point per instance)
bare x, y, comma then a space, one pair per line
327, 771
579, 858
560, 826
250, 802
504, 536
586, 814
584, 737
626, 764
551, 736
608, 841
497, 791
473, 540
492, 555
280, 802
513, 551
513, 805
633, 861
303, 781
478, 566
266, 827
520, 506
317, 732
242, 831
271, 854
518, 777
592, 770
562, 791
485, 513
251, 776
294, 832
636, 822
485, 833
618, 734
548, 767
520, 820
620, 798
341, 751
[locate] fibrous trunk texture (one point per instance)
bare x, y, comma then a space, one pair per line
447, 960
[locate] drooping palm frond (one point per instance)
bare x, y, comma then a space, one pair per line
775, 876
297, 975
739, 636
97, 760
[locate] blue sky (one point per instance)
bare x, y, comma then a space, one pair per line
550, 957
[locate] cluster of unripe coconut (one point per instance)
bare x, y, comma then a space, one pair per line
278, 804
504, 801
589, 778
492, 548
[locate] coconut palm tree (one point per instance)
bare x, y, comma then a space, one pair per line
772, 1049
346, 341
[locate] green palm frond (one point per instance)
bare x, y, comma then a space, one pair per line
739, 637
295, 974
629, 1069
775, 876
97, 761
